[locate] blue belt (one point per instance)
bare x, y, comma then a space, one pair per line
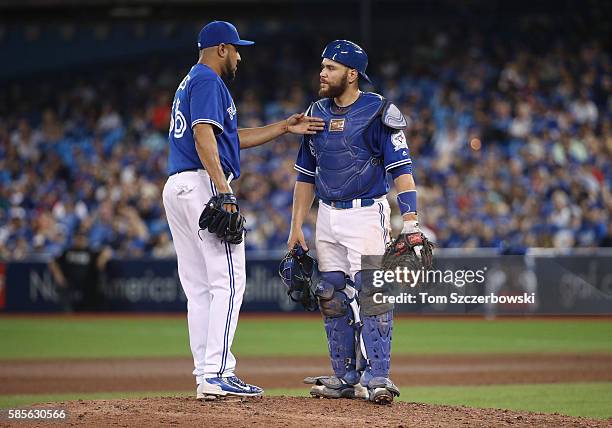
345, 205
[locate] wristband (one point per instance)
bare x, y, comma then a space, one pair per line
407, 202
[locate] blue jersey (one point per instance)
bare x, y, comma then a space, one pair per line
202, 97
383, 144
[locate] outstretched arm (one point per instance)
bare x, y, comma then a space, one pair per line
303, 196
296, 124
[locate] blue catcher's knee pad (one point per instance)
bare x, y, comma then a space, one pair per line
339, 325
332, 301
376, 333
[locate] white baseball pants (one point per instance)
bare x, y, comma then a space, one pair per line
344, 235
212, 274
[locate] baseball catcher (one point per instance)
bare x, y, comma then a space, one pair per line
346, 167
221, 216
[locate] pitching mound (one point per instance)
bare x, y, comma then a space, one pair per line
297, 412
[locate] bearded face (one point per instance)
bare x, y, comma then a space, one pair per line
334, 89
333, 79
229, 69
230, 65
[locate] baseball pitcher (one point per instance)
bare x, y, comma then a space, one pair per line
203, 214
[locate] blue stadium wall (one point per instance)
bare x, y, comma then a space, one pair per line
578, 284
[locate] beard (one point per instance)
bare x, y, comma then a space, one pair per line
229, 72
336, 90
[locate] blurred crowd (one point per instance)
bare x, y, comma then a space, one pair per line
511, 148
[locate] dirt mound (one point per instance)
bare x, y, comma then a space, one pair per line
296, 412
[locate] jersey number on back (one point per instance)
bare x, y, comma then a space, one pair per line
178, 124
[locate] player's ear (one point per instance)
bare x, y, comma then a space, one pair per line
222, 50
353, 75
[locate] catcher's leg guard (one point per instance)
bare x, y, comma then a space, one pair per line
360, 360
334, 299
376, 333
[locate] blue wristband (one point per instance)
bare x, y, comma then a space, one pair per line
407, 201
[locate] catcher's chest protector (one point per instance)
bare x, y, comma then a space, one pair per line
345, 164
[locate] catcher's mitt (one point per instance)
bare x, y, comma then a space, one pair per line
296, 270
228, 226
411, 250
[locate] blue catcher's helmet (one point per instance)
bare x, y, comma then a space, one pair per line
348, 53
296, 270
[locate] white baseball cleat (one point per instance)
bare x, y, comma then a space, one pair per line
220, 387
382, 391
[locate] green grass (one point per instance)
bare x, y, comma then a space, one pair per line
149, 337
92, 338
574, 399
429, 336
73, 337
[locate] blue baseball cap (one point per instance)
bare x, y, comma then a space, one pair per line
217, 32
348, 53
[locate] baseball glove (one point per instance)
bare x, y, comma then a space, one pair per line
227, 226
411, 250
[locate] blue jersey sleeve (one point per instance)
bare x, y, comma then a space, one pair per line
207, 104
394, 148
306, 162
